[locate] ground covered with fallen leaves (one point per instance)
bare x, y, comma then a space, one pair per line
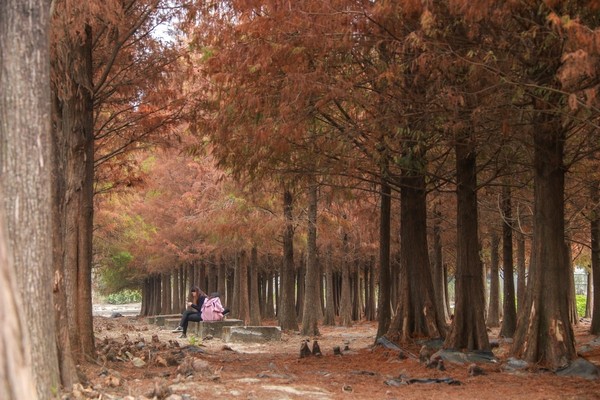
137, 361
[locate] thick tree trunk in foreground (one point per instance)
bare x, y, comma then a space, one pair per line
509, 314
544, 335
417, 314
312, 298
286, 310
16, 374
384, 312
73, 118
493, 315
26, 193
468, 328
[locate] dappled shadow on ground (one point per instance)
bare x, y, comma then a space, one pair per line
139, 361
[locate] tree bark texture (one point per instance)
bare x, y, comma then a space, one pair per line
509, 314
417, 315
16, 374
222, 281
270, 304
521, 270
439, 284
544, 334
312, 297
595, 261
329, 317
300, 278
493, 315
74, 179
573, 315
346, 293
25, 183
286, 312
384, 312
468, 328
254, 297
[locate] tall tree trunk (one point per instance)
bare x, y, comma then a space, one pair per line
73, 118
270, 304
25, 212
417, 316
439, 286
144, 306
493, 316
329, 318
588, 295
468, 328
357, 290
176, 304
222, 281
312, 302
16, 371
509, 315
521, 270
573, 316
286, 310
346, 294
384, 312
300, 278
212, 277
544, 334
254, 298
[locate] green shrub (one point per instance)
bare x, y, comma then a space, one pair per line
124, 296
581, 299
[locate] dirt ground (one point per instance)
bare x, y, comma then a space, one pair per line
188, 369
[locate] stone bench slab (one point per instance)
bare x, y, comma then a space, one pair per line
215, 328
251, 334
161, 319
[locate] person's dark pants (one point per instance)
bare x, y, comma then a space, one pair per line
187, 316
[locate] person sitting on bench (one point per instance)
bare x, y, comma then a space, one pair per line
193, 312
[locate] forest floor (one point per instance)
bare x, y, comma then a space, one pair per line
189, 369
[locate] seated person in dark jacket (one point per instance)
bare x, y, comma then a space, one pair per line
193, 312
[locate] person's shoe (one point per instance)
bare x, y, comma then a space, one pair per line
178, 329
182, 336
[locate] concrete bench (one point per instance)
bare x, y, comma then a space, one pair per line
251, 334
215, 328
161, 319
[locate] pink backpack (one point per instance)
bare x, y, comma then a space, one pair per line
212, 309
